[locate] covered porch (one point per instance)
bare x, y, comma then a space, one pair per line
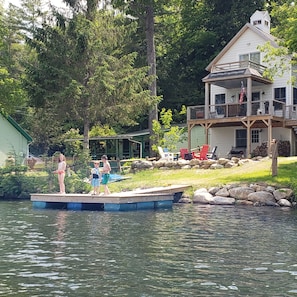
223, 107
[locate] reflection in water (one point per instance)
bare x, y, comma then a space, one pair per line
60, 226
187, 251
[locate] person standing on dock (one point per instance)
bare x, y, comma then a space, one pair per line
105, 174
95, 182
61, 173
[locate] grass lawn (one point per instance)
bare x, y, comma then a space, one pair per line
252, 171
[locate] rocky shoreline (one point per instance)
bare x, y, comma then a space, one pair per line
252, 194
257, 194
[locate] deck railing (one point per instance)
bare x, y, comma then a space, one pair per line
255, 108
238, 65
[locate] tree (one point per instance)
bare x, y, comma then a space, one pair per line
144, 12
279, 59
285, 20
12, 96
165, 134
195, 34
84, 73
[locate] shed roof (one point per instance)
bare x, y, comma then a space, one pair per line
17, 127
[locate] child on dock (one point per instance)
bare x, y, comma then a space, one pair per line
95, 178
61, 173
105, 174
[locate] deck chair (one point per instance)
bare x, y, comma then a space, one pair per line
165, 155
202, 155
183, 152
212, 154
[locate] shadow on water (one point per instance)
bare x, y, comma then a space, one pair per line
188, 251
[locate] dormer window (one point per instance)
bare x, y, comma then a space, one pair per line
257, 22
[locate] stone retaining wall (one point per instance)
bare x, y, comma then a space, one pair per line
252, 194
187, 164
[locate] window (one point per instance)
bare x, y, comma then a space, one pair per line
294, 96
220, 99
255, 102
240, 138
255, 57
279, 95
244, 57
252, 57
255, 136
258, 22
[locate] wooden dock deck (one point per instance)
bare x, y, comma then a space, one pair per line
139, 199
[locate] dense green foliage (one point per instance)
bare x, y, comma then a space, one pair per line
83, 67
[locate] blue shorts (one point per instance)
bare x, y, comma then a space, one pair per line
95, 182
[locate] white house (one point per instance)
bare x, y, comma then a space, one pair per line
14, 141
243, 108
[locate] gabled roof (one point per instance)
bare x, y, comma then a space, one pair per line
17, 127
247, 26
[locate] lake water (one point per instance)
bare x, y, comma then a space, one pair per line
187, 251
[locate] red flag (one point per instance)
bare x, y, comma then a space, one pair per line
242, 93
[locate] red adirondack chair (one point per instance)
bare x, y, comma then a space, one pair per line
183, 152
202, 155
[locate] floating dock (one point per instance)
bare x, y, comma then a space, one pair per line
140, 199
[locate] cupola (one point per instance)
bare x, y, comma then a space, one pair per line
261, 20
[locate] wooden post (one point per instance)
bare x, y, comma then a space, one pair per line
206, 101
274, 155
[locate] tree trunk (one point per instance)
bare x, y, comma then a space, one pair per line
86, 134
151, 59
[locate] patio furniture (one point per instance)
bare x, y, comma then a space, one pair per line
212, 154
202, 155
165, 154
183, 152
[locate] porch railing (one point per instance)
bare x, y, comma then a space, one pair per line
254, 108
238, 65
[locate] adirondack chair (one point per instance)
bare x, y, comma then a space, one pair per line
202, 155
165, 155
212, 154
183, 152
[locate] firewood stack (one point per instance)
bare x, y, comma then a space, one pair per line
283, 149
260, 150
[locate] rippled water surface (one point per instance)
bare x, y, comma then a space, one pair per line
187, 251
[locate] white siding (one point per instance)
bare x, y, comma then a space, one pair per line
224, 138
247, 43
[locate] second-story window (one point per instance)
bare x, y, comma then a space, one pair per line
253, 57
279, 95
